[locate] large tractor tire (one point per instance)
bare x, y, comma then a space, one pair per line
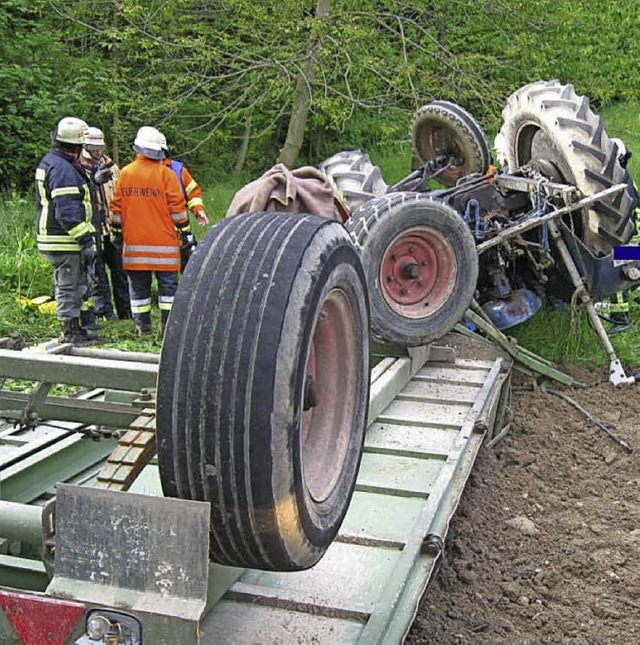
442, 128
421, 265
263, 386
548, 126
354, 178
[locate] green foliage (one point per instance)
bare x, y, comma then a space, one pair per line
205, 72
394, 161
23, 270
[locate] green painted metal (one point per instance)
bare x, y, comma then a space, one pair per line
521, 355
15, 405
21, 522
115, 354
73, 370
129, 553
22, 573
69, 457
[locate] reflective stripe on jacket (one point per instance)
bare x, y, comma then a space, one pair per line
149, 204
190, 187
63, 195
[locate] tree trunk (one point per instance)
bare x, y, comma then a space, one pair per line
115, 125
302, 98
244, 147
115, 128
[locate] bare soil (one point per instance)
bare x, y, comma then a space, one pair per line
544, 547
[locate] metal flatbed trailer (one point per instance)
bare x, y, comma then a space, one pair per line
430, 410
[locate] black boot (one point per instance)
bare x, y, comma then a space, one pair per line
164, 317
89, 322
142, 323
74, 334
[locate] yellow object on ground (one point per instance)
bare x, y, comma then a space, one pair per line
44, 304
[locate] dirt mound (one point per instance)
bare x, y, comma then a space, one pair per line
544, 546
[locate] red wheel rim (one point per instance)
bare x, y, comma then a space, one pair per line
418, 273
329, 395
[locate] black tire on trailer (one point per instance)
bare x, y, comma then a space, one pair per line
445, 128
263, 386
547, 125
354, 178
421, 264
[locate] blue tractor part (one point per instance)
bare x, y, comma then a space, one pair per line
518, 307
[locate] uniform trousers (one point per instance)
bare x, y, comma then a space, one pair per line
140, 295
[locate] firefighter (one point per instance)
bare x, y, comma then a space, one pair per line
105, 173
150, 207
64, 228
193, 195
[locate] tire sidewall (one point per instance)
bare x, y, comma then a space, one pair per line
390, 326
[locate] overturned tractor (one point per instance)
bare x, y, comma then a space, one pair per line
554, 155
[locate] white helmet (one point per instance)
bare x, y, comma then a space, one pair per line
149, 142
94, 138
70, 130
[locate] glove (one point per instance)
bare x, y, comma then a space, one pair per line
102, 175
187, 240
202, 218
116, 236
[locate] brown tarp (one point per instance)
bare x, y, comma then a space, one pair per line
302, 190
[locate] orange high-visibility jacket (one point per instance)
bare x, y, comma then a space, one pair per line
190, 187
149, 205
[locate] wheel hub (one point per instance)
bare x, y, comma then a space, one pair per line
417, 273
410, 270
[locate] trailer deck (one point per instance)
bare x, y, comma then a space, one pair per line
431, 409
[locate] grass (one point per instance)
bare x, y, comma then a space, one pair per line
623, 121
25, 272
555, 335
560, 336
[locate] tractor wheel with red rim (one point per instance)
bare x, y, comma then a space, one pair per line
263, 386
421, 265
